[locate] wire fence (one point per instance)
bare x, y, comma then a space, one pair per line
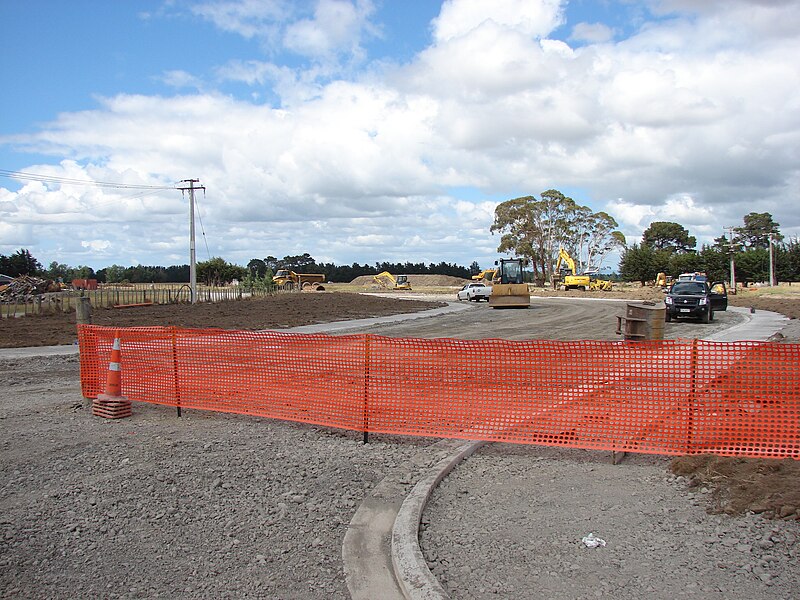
662, 397
65, 302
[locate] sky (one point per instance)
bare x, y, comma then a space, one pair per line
386, 130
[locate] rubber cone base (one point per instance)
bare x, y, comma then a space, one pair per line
111, 407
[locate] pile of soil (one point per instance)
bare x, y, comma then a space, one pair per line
417, 281
739, 485
785, 306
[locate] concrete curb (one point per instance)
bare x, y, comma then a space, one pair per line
381, 553
412, 572
758, 326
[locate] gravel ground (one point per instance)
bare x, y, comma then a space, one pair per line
226, 506
205, 506
509, 523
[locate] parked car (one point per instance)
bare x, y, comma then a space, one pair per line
696, 299
475, 292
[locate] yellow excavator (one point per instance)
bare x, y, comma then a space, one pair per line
569, 277
509, 289
571, 280
389, 281
487, 274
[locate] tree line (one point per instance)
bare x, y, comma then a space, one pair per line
668, 248
217, 271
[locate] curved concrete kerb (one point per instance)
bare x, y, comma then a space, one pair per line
411, 570
382, 558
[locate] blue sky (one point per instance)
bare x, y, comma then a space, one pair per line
362, 131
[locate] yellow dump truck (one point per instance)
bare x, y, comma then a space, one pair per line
289, 280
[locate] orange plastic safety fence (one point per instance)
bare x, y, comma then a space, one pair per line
666, 397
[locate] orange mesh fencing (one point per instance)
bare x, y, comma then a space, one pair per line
663, 397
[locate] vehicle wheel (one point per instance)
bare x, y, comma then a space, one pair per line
668, 317
706, 318
287, 287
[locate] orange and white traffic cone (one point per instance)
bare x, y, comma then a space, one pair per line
112, 404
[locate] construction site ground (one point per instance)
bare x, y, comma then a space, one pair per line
213, 505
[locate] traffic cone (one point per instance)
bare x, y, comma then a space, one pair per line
112, 404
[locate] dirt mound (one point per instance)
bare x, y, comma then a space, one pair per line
738, 485
785, 306
418, 281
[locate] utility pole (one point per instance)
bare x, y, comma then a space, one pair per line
733, 265
771, 262
192, 262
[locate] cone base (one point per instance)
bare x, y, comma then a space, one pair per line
111, 407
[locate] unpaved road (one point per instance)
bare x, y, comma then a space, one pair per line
546, 319
225, 506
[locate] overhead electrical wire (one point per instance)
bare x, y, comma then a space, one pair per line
147, 189
202, 229
70, 181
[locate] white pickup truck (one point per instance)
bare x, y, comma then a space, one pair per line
475, 292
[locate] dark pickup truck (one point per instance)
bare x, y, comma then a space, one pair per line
696, 299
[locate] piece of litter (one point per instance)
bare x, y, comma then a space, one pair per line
590, 541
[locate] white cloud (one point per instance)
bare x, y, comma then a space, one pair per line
96, 246
248, 18
654, 127
534, 19
337, 26
592, 32
181, 79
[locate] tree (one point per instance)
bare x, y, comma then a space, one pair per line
257, 267
715, 263
474, 268
665, 235
536, 229
758, 227
752, 266
303, 263
638, 263
688, 262
21, 262
216, 272
597, 235
115, 274
272, 263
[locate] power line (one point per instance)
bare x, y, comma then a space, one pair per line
70, 181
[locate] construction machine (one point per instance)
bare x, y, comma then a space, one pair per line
569, 273
389, 281
487, 274
289, 280
596, 284
508, 287
571, 280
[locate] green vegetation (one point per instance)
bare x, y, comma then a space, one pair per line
668, 247
536, 229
